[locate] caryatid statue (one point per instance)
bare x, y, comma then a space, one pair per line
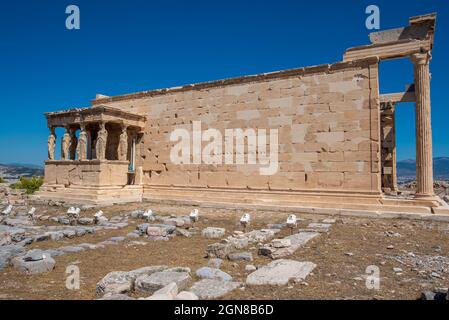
51, 144
123, 144
81, 148
65, 145
101, 142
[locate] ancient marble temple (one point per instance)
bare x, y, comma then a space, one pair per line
336, 134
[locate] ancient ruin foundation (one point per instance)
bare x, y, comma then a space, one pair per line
336, 138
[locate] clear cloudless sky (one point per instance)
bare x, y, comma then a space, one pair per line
128, 46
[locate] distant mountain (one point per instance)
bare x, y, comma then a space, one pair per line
407, 168
13, 171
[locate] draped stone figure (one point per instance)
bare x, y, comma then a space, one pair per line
81, 148
123, 145
51, 143
101, 142
65, 145
73, 144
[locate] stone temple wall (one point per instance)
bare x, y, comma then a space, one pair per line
327, 118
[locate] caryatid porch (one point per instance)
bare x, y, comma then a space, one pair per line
99, 160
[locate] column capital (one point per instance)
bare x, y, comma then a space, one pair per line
421, 58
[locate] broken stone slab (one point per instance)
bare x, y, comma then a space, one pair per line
240, 256
156, 231
219, 250
262, 235
69, 233
239, 242
297, 240
16, 234
13, 222
88, 246
213, 232
213, 288
39, 263
170, 289
276, 225
54, 252
155, 281
183, 232
177, 222
117, 282
7, 252
55, 235
71, 249
320, 227
34, 255
212, 273
329, 221
86, 221
280, 272
281, 243
117, 239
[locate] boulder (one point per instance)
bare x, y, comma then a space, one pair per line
219, 250
7, 252
35, 261
240, 256
116, 282
280, 272
158, 280
212, 273
170, 289
213, 288
212, 232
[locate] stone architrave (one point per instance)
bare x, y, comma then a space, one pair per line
65, 145
51, 143
123, 145
73, 144
81, 148
101, 142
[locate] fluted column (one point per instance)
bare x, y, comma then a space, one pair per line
424, 166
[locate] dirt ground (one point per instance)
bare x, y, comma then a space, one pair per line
341, 255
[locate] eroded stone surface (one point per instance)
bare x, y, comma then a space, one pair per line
280, 272
151, 283
213, 288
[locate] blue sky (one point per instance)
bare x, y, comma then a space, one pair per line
128, 46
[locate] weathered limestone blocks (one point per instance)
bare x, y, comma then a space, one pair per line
279, 248
156, 281
35, 261
212, 232
213, 288
117, 282
280, 272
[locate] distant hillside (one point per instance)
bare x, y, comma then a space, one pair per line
407, 168
14, 171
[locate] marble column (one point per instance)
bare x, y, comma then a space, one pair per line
424, 165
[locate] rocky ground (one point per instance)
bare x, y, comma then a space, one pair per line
125, 255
